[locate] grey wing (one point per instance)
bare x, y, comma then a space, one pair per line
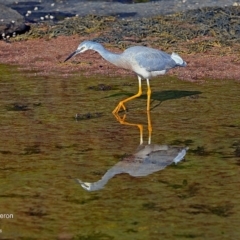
154, 60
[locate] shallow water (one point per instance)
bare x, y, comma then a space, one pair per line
44, 149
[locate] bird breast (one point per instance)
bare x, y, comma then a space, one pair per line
140, 71
148, 74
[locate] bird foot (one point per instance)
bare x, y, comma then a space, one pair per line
119, 106
120, 119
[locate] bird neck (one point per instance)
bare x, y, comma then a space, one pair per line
102, 182
111, 57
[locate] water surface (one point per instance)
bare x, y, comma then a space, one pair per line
44, 149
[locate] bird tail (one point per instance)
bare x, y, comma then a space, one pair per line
181, 155
178, 60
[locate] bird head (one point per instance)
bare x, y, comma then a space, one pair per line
84, 46
89, 186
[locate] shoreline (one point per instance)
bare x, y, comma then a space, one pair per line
46, 58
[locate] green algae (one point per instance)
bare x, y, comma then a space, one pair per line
44, 149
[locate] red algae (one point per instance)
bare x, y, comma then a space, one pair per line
46, 56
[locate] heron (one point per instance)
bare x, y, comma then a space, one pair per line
146, 62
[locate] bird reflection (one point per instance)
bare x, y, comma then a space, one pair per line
147, 159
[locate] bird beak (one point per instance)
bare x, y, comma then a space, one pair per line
71, 55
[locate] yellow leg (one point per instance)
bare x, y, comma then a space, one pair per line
148, 95
148, 112
149, 127
121, 103
140, 126
122, 121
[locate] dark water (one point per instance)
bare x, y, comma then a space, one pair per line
44, 149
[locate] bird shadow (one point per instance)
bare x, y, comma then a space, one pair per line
161, 96
171, 94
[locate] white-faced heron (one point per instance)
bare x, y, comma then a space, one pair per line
144, 61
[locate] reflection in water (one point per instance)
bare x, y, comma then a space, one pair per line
147, 159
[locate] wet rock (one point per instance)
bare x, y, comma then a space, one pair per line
128, 84
11, 23
200, 151
22, 106
17, 107
237, 151
34, 149
87, 116
100, 87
